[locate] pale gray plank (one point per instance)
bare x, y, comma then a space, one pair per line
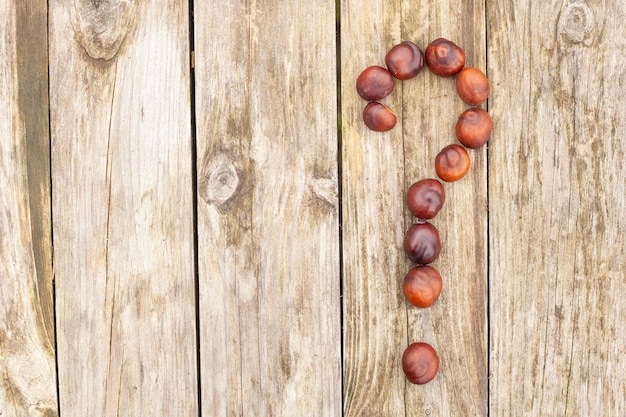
123, 208
558, 208
268, 226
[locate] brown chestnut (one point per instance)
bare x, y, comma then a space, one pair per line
425, 198
474, 128
421, 243
420, 363
378, 117
422, 286
472, 86
374, 83
452, 163
444, 57
404, 60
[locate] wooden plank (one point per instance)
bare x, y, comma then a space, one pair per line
268, 208
123, 207
558, 208
375, 328
457, 324
27, 362
377, 171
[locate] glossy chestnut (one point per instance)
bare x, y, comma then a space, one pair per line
420, 363
378, 117
473, 128
425, 198
444, 57
452, 163
422, 286
374, 83
472, 86
404, 60
422, 243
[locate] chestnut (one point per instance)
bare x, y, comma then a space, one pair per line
374, 83
474, 128
420, 363
444, 57
422, 286
472, 86
421, 243
404, 60
378, 117
452, 163
425, 198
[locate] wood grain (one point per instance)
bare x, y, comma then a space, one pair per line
375, 324
557, 200
268, 243
123, 207
533, 257
27, 362
377, 171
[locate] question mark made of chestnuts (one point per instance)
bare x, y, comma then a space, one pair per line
423, 284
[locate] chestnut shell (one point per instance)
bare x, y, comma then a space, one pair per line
422, 286
472, 86
452, 163
374, 83
404, 60
420, 363
379, 117
422, 244
444, 57
425, 198
473, 128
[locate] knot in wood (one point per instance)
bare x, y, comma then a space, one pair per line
102, 25
219, 180
326, 189
576, 22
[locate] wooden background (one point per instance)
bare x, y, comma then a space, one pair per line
221, 248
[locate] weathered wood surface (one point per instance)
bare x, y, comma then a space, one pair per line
377, 171
123, 208
287, 299
268, 219
27, 357
557, 200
